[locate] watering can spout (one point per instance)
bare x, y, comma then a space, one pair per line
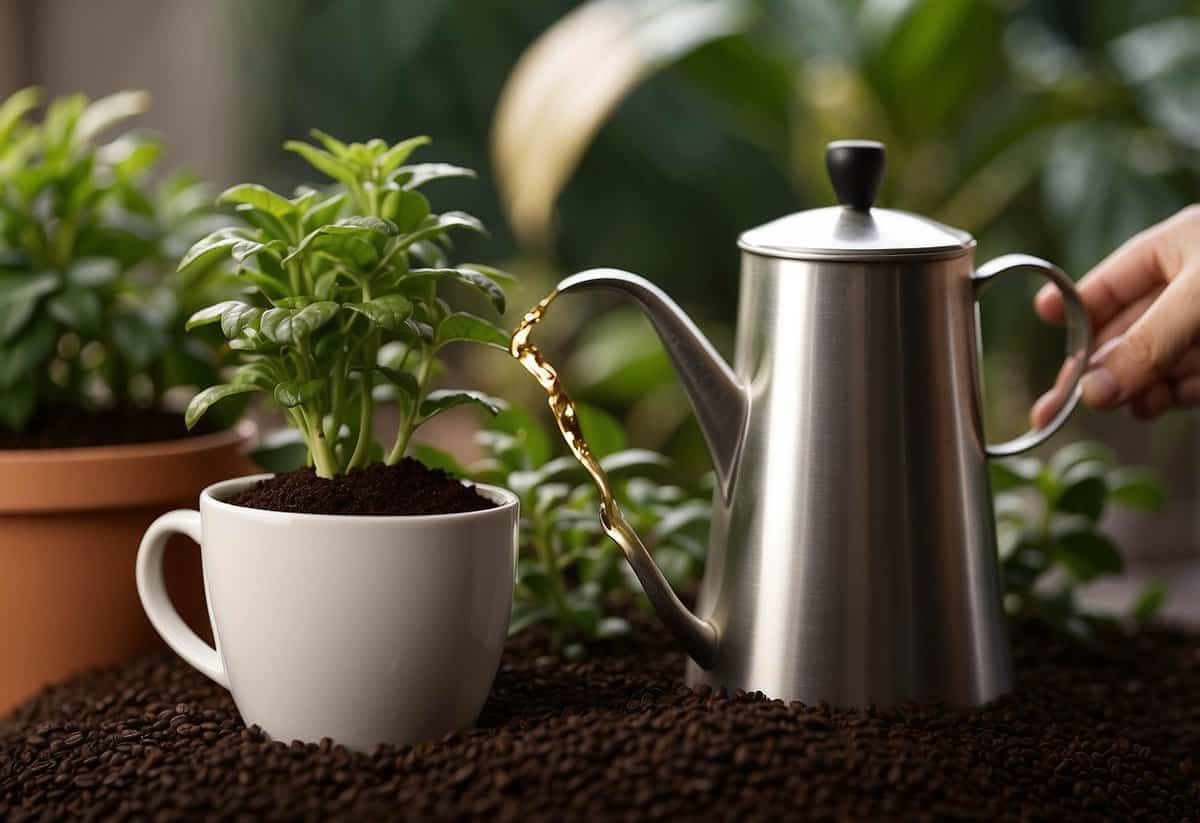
720, 401
721, 405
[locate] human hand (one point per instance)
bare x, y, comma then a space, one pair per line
1144, 304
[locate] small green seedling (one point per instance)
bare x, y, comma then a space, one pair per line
91, 311
1050, 541
342, 306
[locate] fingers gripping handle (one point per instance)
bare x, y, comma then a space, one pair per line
155, 600
1079, 343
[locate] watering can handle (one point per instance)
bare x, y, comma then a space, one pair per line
1079, 343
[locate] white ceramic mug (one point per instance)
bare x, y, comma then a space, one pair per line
364, 629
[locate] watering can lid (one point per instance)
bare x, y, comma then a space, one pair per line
855, 230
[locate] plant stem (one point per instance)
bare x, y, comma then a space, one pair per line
409, 423
558, 591
322, 455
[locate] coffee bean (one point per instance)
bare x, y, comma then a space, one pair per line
616, 736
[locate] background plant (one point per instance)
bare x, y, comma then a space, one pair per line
1047, 521
344, 302
91, 311
568, 569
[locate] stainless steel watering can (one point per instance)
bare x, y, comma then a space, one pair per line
853, 550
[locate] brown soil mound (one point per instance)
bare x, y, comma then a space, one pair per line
1090, 734
404, 489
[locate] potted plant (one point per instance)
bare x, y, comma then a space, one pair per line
89, 348
366, 596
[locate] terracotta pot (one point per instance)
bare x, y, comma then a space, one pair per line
70, 523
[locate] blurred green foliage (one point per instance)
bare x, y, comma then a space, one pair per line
1047, 127
1047, 524
91, 309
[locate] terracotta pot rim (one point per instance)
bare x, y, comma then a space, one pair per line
91, 478
238, 432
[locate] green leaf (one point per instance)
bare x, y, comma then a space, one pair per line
1010, 472
1069, 455
281, 451
439, 401
131, 156
14, 108
468, 277
335, 146
527, 614
13, 317
532, 440
602, 431
77, 309
93, 272
209, 250
292, 325
461, 326
339, 239
1150, 602
422, 173
106, 112
1087, 554
1136, 488
324, 213
205, 399
1083, 489
397, 154
324, 162
375, 224
408, 208
633, 462
437, 459
388, 312
259, 197
438, 225
30, 350
499, 275
233, 315
21, 288
682, 517
138, 340
16, 404
292, 393
403, 381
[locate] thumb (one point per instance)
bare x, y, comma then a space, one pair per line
1147, 351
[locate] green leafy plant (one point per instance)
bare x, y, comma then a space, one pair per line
568, 569
343, 303
1047, 519
91, 310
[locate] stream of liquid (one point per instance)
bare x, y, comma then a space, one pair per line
614, 523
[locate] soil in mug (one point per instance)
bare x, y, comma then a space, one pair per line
408, 488
1091, 733
74, 428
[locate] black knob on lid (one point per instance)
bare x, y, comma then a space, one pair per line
856, 169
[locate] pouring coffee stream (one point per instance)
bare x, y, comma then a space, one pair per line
699, 636
852, 555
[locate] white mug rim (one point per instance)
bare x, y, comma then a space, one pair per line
502, 497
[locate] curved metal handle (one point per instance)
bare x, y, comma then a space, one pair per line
1079, 343
153, 592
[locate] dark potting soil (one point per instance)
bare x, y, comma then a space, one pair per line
74, 428
1090, 734
409, 487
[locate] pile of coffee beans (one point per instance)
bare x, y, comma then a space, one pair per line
1092, 733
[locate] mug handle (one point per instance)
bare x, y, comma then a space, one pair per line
1079, 342
153, 592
